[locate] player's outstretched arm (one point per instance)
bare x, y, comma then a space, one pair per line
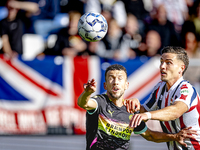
164, 137
84, 100
165, 114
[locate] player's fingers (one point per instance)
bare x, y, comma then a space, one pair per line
134, 121
131, 106
137, 121
182, 143
128, 108
190, 137
188, 131
131, 124
135, 106
125, 103
192, 132
92, 81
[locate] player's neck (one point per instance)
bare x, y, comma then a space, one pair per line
118, 102
171, 83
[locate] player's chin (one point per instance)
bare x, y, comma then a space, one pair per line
116, 95
164, 79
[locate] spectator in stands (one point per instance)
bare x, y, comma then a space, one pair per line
193, 51
130, 39
176, 11
68, 41
45, 20
164, 27
12, 27
191, 45
152, 45
138, 9
107, 47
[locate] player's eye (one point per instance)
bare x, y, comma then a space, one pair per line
120, 78
168, 63
110, 78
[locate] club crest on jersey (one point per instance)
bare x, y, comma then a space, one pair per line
130, 116
95, 96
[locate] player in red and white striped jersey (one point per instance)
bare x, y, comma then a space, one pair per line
174, 101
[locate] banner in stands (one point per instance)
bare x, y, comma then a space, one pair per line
39, 95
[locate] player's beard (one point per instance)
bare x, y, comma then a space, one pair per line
115, 96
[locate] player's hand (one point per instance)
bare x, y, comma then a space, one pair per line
90, 86
137, 119
185, 133
132, 105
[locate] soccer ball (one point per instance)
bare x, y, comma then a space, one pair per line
92, 26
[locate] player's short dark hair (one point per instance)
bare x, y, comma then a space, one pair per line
116, 67
181, 54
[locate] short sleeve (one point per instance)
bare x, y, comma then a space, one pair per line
100, 100
186, 94
90, 112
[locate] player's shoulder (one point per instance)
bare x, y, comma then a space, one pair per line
185, 85
100, 97
159, 85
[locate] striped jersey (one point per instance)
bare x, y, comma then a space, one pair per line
183, 91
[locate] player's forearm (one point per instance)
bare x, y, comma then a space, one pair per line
83, 100
6, 45
166, 114
158, 137
27, 6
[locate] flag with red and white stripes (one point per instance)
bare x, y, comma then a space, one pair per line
43, 93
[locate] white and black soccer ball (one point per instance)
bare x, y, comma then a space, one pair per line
92, 26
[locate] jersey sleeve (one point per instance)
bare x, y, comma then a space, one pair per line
90, 112
99, 99
141, 128
186, 93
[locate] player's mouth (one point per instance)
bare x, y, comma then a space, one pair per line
115, 89
163, 73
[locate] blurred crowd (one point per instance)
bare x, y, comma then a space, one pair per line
135, 27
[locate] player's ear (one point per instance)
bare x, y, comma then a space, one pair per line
126, 85
104, 85
182, 69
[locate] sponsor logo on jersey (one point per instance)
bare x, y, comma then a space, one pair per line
110, 112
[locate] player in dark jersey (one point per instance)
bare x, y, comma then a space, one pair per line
107, 120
